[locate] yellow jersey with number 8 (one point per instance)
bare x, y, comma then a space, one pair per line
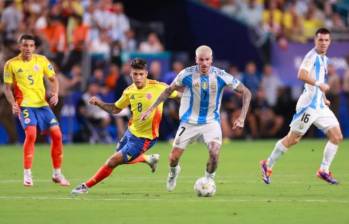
140, 100
27, 78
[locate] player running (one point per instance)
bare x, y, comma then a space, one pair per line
26, 93
312, 108
203, 86
141, 135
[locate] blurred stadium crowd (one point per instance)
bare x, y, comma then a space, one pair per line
88, 42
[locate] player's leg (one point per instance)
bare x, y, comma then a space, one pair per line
300, 123
28, 121
57, 156
186, 134
103, 172
28, 154
335, 137
212, 136
152, 160
47, 122
175, 169
330, 125
212, 163
280, 148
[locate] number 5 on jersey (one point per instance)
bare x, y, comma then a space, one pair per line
31, 79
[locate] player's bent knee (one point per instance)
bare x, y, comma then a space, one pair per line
337, 139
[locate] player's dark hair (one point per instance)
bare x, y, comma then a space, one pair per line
27, 37
322, 31
139, 63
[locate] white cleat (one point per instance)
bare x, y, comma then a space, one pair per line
60, 179
28, 180
153, 161
172, 179
81, 189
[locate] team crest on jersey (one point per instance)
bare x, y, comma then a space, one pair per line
132, 97
36, 68
204, 85
149, 96
196, 85
27, 121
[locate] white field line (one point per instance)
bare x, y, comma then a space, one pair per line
79, 198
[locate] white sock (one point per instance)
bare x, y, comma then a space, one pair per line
27, 172
278, 151
173, 169
57, 172
210, 175
329, 154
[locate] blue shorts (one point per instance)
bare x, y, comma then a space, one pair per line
131, 146
40, 116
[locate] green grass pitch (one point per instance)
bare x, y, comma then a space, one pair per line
132, 194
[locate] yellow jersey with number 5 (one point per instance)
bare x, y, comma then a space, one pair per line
140, 100
27, 78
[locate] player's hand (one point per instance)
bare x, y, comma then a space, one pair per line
53, 99
327, 102
238, 123
94, 100
145, 114
15, 109
324, 87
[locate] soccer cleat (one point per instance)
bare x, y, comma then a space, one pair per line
153, 161
28, 180
60, 179
326, 177
172, 179
81, 189
266, 172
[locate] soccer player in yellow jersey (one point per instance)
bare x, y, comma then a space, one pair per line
141, 135
25, 91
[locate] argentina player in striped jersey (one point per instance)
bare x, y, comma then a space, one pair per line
199, 111
312, 108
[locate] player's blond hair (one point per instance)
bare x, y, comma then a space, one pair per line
203, 49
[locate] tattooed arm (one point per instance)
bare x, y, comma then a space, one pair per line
164, 95
108, 107
246, 99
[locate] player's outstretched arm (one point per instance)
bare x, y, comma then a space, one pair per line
246, 99
10, 98
164, 95
305, 77
108, 107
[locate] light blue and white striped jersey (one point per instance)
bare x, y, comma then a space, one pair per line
202, 96
316, 65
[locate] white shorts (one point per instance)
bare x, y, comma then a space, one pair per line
323, 119
188, 133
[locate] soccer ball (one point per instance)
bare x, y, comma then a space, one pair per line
205, 187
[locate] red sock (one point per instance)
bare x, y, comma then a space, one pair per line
28, 147
56, 147
139, 159
101, 174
